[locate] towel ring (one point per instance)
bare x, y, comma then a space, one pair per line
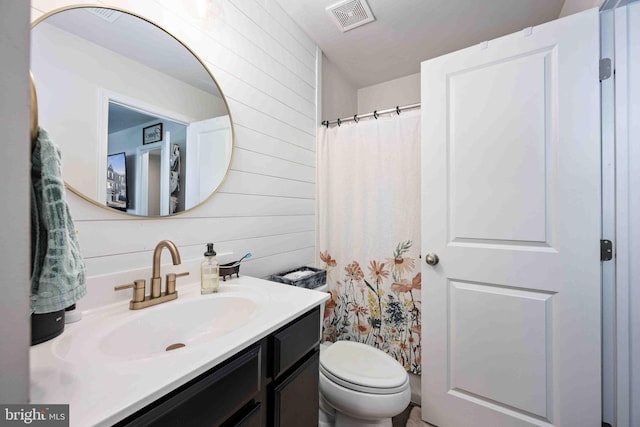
34, 111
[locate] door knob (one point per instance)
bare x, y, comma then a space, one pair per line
432, 259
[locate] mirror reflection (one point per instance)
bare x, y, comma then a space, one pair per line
142, 125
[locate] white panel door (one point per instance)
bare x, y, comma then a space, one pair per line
511, 206
209, 148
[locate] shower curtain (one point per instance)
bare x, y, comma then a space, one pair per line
369, 233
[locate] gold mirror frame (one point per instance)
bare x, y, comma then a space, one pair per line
34, 110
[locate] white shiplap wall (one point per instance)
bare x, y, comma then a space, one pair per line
266, 67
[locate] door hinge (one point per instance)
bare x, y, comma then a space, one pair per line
606, 250
605, 68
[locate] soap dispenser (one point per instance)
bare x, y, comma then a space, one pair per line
210, 272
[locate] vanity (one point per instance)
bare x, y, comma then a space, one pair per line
246, 356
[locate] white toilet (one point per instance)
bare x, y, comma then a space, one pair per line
360, 386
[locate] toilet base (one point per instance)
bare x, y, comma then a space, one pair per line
324, 420
341, 420
326, 414
331, 418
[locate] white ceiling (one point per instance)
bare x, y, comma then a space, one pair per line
121, 117
407, 32
137, 40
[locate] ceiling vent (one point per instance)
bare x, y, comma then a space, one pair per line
350, 14
108, 15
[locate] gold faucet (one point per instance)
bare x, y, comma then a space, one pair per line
156, 296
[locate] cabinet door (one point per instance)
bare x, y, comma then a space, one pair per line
296, 397
208, 400
295, 340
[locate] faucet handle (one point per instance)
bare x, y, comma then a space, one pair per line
171, 281
138, 289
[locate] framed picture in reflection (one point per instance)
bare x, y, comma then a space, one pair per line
152, 134
117, 182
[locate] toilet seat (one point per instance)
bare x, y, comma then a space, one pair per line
362, 368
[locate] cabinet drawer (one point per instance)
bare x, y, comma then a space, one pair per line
252, 419
295, 340
209, 399
296, 397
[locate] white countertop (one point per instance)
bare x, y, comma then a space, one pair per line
103, 390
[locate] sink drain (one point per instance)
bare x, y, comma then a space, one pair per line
174, 346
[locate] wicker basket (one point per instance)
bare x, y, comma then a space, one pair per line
312, 281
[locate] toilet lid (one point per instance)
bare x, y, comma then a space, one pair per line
363, 368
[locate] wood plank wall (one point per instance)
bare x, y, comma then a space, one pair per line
266, 67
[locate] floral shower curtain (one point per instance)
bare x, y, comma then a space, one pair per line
369, 233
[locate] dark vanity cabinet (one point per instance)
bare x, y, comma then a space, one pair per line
273, 382
293, 392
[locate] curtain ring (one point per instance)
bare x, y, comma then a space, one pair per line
325, 123
339, 122
355, 118
375, 114
397, 109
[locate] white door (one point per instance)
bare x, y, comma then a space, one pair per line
511, 206
209, 146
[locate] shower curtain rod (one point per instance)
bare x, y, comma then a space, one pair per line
375, 114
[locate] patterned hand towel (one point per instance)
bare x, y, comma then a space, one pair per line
58, 274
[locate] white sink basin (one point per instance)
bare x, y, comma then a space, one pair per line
182, 324
163, 329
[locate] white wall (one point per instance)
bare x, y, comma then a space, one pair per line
70, 96
265, 66
339, 96
341, 99
389, 94
574, 6
14, 185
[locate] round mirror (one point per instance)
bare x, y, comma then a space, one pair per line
142, 125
